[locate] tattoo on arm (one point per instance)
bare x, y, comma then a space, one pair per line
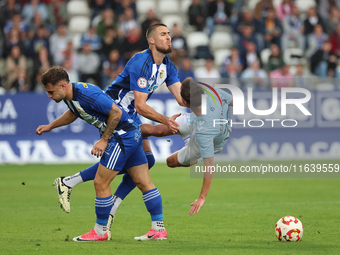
112, 121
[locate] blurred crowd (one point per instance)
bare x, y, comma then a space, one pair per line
34, 36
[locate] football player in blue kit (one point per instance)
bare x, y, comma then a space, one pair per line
144, 73
120, 147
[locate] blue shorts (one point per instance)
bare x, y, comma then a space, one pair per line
124, 151
137, 120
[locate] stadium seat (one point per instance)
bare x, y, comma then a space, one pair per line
304, 5
185, 4
78, 25
276, 3
143, 6
265, 53
168, 6
170, 20
77, 7
221, 40
292, 56
252, 4
220, 56
195, 39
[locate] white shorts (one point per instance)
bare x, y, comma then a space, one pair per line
191, 151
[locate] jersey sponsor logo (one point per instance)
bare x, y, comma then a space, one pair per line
84, 85
142, 82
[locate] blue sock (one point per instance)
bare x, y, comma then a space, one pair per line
127, 184
103, 207
153, 203
89, 173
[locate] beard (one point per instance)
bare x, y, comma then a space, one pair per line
164, 50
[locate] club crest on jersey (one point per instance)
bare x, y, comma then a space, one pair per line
142, 82
161, 74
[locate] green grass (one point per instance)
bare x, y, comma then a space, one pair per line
238, 217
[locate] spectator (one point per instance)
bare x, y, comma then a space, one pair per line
16, 68
12, 40
311, 21
284, 9
250, 55
271, 29
58, 43
57, 12
36, 23
261, 9
8, 10
275, 60
110, 41
70, 54
208, 71
179, 45
31, 8
39, 40
16, 23
40, 64
332, 21
97, 6
235, 60
247, 36
92, 38
254, 76
150, 20
325, 7
127, 21
133, 43
197, 14
315, 40
323, 62
124, 4
89, 64
113, 66
281, 77
72, 73
219, 13
293, 30
185, 69
246, 19
335, 41
107, 21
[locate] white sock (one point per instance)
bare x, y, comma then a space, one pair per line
116, 203
100, 229
73, 180
158, 225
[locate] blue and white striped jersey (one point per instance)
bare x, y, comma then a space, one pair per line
142, 74
92, 105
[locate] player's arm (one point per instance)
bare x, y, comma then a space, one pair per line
67, 118
175, 89
145, 110
113, 119
207, 180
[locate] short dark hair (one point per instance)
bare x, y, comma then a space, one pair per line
191, 92
153, 28
54, 75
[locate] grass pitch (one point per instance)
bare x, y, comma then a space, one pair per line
238, 217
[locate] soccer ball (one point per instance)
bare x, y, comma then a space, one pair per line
289, 229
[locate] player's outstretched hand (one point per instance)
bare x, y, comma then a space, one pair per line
98, 148
196, 206
43, 129
172, 124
